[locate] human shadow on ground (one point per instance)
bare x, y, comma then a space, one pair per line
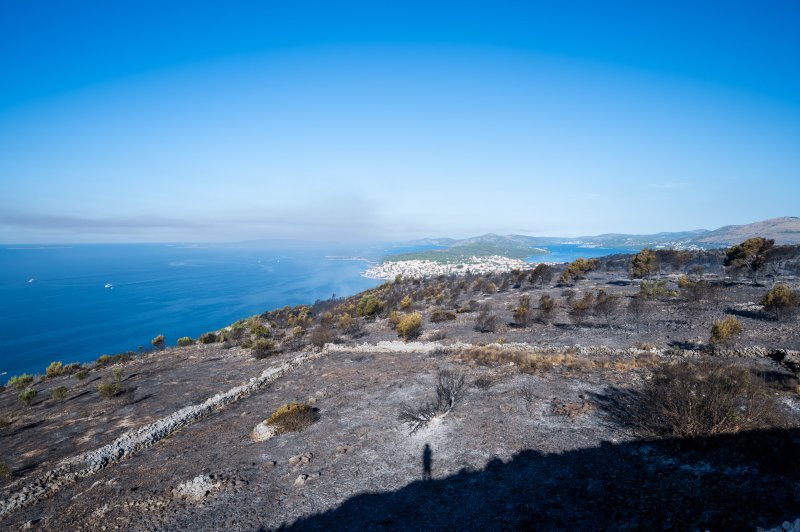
725, 482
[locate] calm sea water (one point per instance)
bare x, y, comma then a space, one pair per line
67, 314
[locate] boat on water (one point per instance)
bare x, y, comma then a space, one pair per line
109, 286
32, 280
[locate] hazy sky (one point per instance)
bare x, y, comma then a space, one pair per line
144, 121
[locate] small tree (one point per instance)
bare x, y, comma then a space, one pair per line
547, 307
606, 305
542, 274
580, 308
639, 310
644, 264
725, 331
749, 256
780, 300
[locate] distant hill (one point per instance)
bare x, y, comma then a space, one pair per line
785, 230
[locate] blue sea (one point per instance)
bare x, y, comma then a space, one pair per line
67, 313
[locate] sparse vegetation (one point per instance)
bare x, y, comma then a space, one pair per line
691, 399
113, 388
536, 362
292, 417
20, 382
725, 331
5, 471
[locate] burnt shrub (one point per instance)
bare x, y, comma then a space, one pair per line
208, 338
439, 315
292, 417
486, 322
547, 307
523, 314
449, 385
695, 399
321, 335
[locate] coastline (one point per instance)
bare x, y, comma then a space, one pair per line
418, 269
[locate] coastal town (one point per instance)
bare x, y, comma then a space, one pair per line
418, 269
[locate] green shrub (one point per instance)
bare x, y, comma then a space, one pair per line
410, 326
184, 341
263, 348
109, 390
726, 330
20, 382
291, 417
406, 302
780, 300
54, 370
81, 374
655, 290
27, 396
158, 341
440, 315
369, 305
59, 393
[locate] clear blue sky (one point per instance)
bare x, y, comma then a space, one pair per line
131, 121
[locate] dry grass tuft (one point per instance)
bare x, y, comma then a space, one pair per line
536, 362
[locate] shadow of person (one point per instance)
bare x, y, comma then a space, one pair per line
427, 462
